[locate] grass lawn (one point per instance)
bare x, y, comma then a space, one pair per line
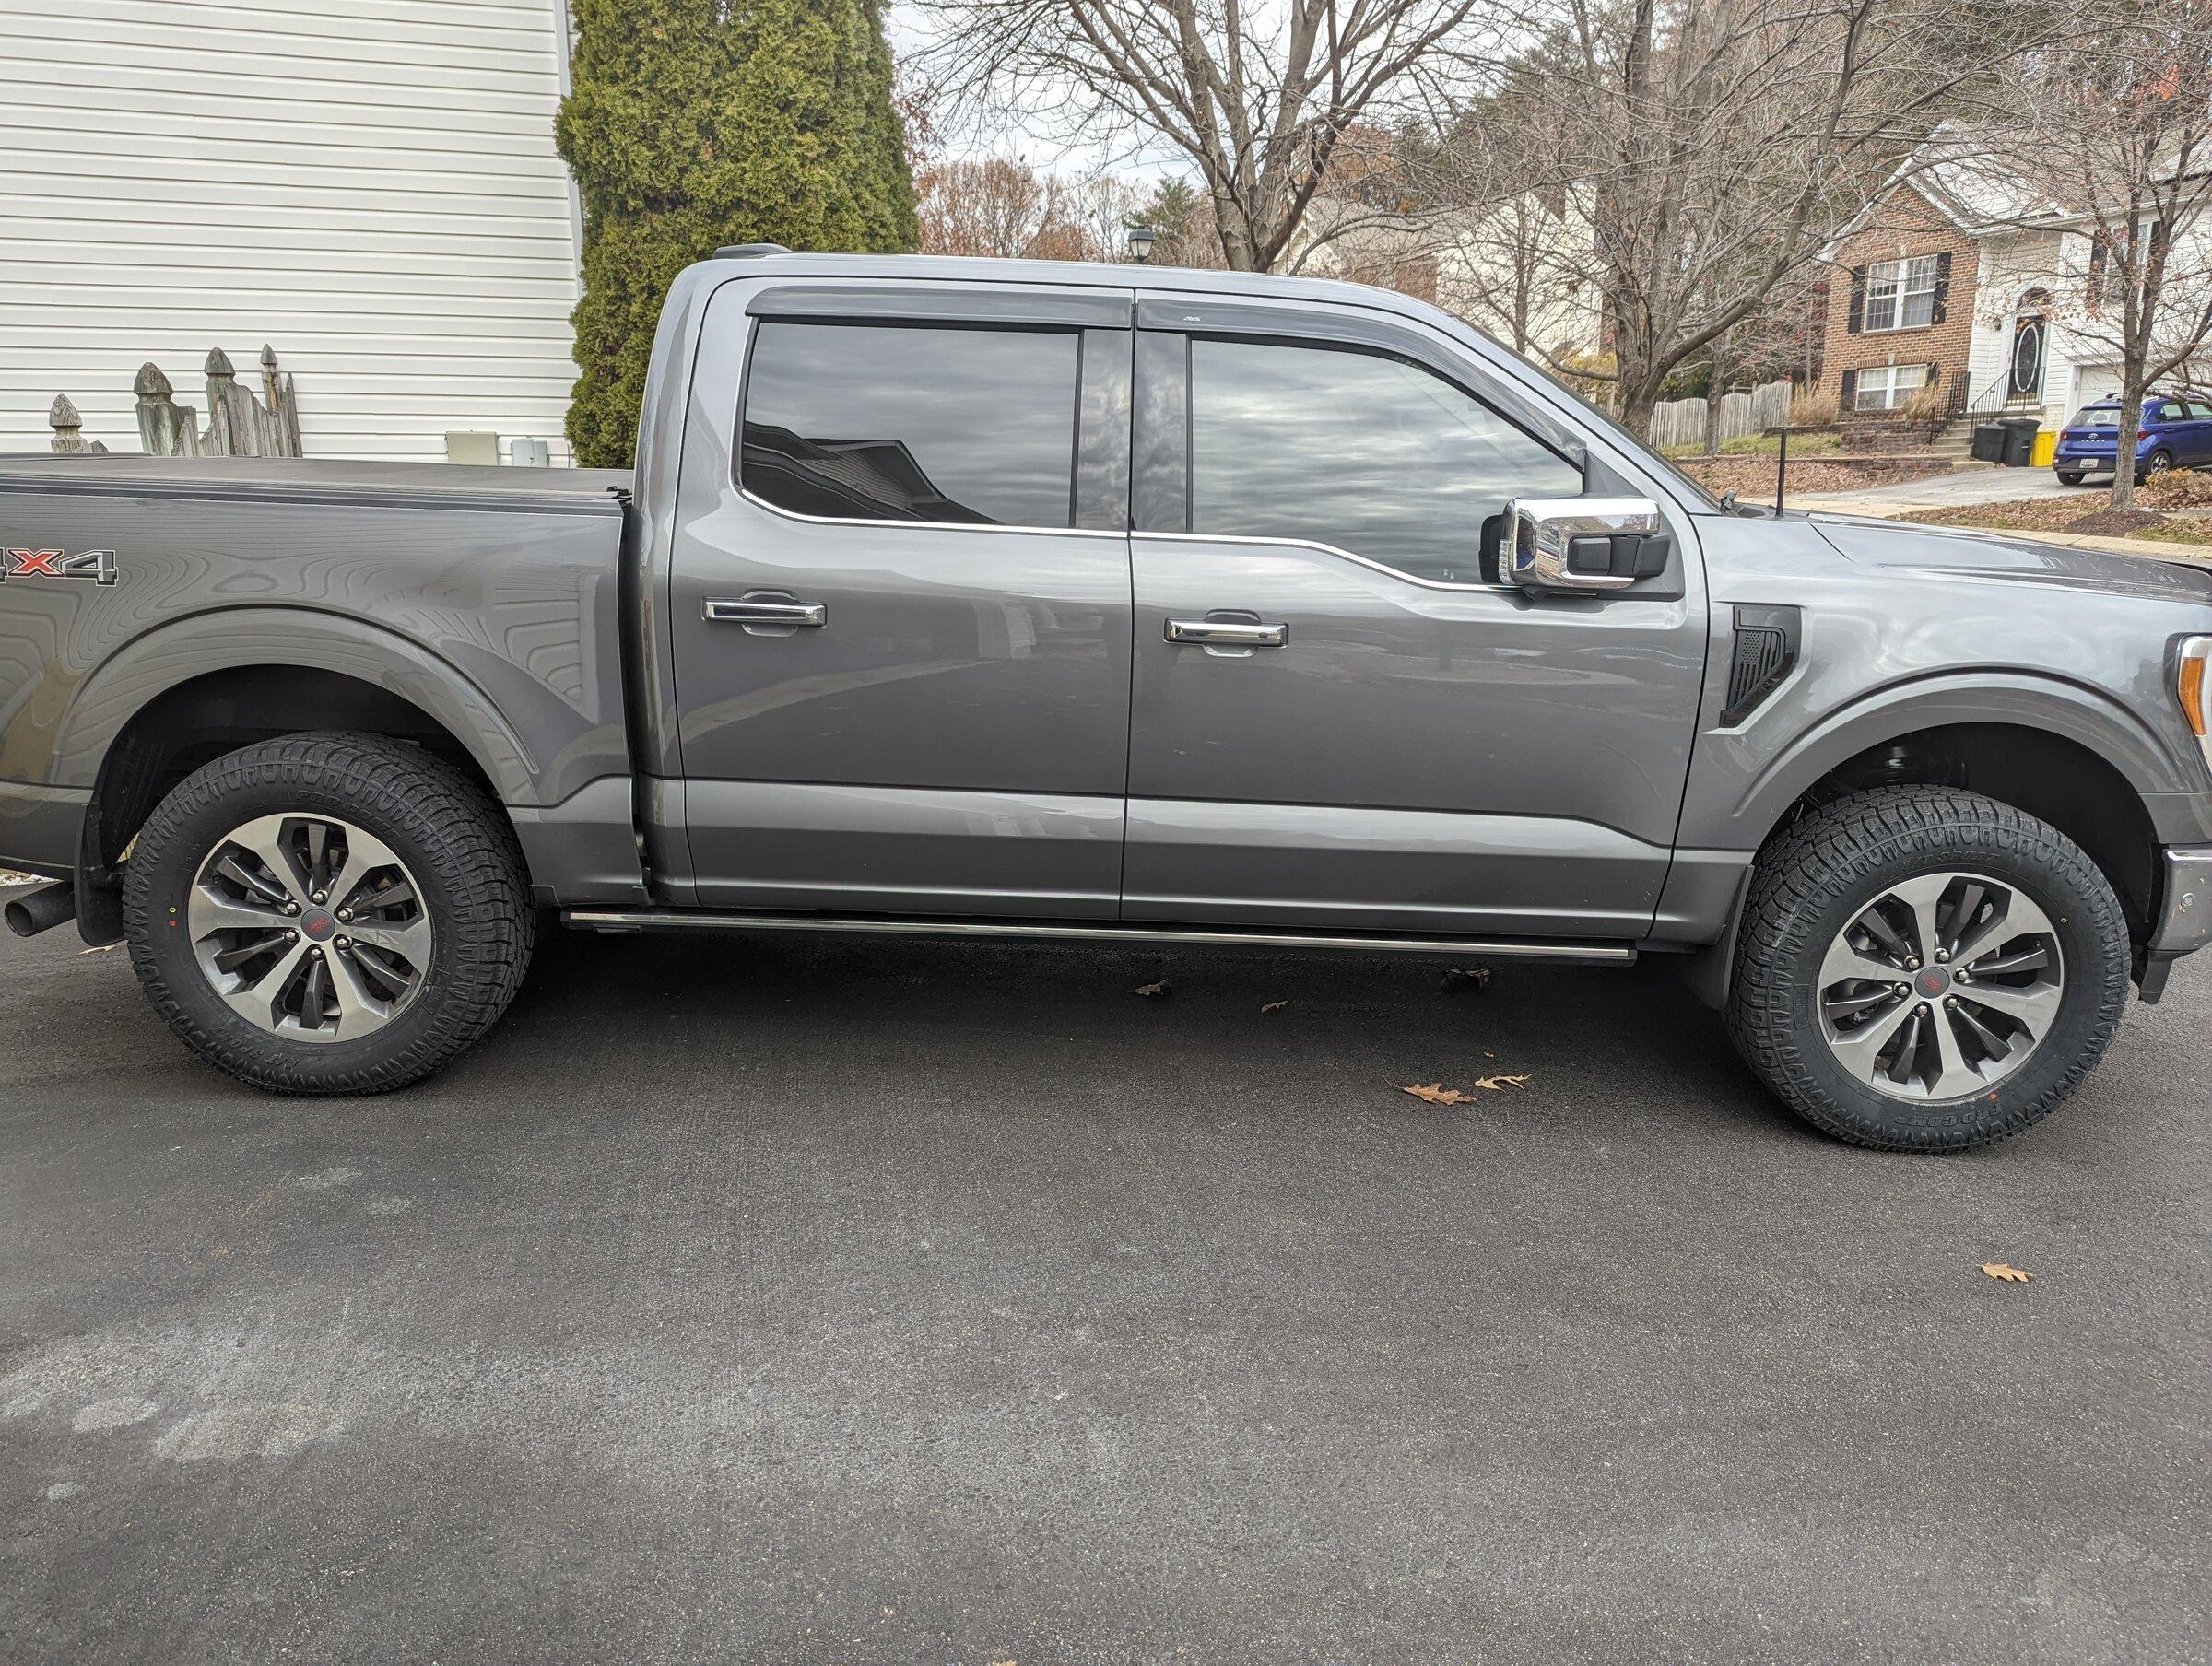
1764, 445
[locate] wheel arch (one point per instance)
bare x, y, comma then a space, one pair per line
186, 695
2068, 755
2052, 776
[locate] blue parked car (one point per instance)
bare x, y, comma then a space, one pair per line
2175, 433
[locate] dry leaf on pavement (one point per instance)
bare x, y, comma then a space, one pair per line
1275, 1007
1495, 1083
1456, 977
2011, 1275
1436, 1093
1153, 989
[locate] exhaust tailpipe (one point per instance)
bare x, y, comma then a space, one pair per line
43, 909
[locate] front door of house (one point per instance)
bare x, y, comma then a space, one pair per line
2027, 378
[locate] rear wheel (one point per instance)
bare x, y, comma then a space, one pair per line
2069, 477
328, 913
2158, 462
1922, 969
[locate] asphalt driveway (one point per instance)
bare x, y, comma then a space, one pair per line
790, 1301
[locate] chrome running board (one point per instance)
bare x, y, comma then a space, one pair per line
709, 920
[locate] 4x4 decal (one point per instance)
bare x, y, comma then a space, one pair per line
98, 565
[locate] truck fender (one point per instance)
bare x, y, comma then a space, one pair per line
2087, 716
235, 638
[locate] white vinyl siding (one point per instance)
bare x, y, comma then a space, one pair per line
368, 185
1900, 295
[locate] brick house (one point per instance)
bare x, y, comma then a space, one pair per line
1901, 308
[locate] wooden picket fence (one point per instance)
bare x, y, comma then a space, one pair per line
1681, 422
239, 423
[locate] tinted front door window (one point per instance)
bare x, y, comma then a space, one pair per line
893, 422
1367, 454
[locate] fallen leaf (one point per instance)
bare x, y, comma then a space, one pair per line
1436, 1093
1456, 976
2011, 1275
1275, 1007
1153, 989
1494, 1082
99, 948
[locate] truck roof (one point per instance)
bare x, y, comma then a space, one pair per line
1094, 274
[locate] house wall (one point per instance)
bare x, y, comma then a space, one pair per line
1904, 225
369, 185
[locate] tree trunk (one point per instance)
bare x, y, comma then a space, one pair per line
2124, 443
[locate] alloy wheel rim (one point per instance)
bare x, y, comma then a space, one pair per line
1941, 986
310, 928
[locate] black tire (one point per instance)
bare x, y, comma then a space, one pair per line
1814, 877
458, 845
2069, 477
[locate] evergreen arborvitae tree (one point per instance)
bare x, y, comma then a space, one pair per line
699, 122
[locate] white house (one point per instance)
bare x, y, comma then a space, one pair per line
368, 185
1965, 278
1517, 270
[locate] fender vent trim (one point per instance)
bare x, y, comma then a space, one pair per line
1766, 651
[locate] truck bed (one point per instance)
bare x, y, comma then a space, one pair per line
298, 480
479, 607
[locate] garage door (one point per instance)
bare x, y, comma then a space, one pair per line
2094, 382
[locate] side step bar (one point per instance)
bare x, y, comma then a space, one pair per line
706, 920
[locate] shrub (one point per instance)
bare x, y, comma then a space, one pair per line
1927, 404
1814, 408
698, 122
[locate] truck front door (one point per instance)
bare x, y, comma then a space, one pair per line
899, 598
1340, 717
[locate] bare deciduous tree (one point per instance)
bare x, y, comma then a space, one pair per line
1723, 142
2109, 155
1258, 93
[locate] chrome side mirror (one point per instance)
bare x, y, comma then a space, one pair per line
1581, 543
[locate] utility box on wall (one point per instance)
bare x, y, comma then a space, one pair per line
466, 446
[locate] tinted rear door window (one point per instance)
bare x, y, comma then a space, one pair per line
900, 422
1367, 454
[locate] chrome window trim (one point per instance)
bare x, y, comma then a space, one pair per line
940, 526
1343, 555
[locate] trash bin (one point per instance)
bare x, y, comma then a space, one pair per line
1988, 444
2019, 439
2046, 447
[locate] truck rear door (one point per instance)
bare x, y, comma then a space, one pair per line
900, 598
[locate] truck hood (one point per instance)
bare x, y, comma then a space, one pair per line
1954, 552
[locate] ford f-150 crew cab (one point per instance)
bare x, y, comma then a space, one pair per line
1108, 603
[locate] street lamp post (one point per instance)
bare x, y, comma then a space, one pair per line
1141, 239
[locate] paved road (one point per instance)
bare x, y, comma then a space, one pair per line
1969, 486
792, 1303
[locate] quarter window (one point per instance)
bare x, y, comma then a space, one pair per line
1368, 453
900, 422
1900, 294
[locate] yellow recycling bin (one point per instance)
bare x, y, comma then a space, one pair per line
2046, 447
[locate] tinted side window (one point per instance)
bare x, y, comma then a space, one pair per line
900, 422
1368, 453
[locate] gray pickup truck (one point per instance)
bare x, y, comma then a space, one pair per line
1113, 603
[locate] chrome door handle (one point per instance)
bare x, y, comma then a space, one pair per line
1228, 633
768, 613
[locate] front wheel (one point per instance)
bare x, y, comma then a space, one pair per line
327, 913
1924, 970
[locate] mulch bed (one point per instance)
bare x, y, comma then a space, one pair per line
1753, 476
2067, 515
